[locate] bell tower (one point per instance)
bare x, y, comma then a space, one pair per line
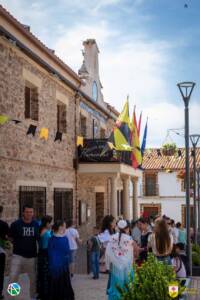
89, 71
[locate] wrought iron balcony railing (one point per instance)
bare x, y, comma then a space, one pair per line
97, 150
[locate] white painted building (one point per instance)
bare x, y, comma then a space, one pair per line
161, 188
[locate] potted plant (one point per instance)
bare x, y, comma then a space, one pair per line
195, 260
151, 281
169, 149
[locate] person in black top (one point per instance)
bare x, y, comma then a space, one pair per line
4, 230
25, 234
145, 232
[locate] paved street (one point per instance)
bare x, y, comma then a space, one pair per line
84, 286
88, 289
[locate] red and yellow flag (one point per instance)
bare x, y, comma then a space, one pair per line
135, 142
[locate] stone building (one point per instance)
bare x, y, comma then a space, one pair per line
39, 92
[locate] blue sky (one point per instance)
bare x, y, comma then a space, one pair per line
146, 47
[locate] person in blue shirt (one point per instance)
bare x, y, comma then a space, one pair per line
59, 255
42, 276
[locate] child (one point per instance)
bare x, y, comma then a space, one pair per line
178, 263
94, 246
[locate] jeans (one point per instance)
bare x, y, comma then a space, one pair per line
95, 255
2, 268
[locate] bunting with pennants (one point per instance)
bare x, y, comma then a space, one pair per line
44, 133
79, 141
32, 129
3, 119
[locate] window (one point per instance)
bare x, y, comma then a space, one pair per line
31, 102
63, 204
151, 187
83, 126
94, 91
102, 133
34, 196
61, 117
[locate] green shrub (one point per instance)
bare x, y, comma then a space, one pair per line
196, 248
151, 282
195, 259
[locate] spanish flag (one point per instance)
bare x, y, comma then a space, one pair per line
136, 156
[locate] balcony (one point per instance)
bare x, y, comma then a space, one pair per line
149, 190
92, 149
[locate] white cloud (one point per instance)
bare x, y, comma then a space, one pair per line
164, 116
131, 62
69, 45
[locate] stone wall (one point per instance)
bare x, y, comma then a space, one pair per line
27, 158
30, 161
87, 187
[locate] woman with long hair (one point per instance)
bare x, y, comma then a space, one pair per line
42, 278
107, 230
59, 259
161, 241
119, 259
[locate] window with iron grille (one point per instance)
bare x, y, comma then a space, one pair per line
31, 102
34, 196
63, 204
151, 187
61, 117
83, 126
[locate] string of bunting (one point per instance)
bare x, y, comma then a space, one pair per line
43, 132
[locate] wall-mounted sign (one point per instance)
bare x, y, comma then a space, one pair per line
92, 151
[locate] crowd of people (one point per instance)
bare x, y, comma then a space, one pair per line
120, 243
47, 252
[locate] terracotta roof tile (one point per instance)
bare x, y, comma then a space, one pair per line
153, 161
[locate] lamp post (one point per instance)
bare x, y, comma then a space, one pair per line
186, 89
198, 197
194, 140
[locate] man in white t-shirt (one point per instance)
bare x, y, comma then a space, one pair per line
74, 240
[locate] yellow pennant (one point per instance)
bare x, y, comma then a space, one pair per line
44, 133
3, 119
79, 141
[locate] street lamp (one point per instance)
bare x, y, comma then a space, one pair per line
198, 197
186, 89
194, 140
